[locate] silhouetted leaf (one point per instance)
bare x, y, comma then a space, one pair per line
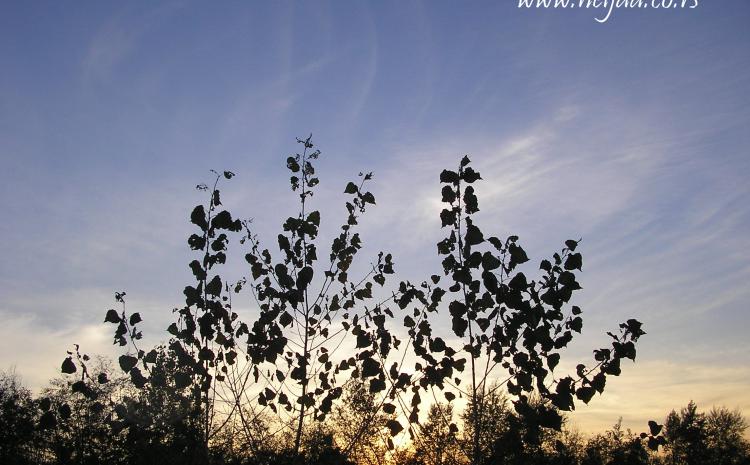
370, 367
449, 195
490, 262
223, 220
172, 329
437, 345
214, 286
473, 234
471, 205
351, 188
314, 218
150, 356
470, 175
613, 367
127, 362
68, 367
599, 381
304, 276
363, 340
196, 242
377, 385
137, 378
459, 326
367, 197
585, 393
394, 426
517, 255
518, 282
450, 177
574, 262
576, 324
448, 218
285, 319
112, 317
552, 361
198, 217
79, 386
654, 427
633, 328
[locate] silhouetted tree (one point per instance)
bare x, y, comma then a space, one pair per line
77, 417
358, 421
308, 310
320, 447
615, 447
502, 320
522, 442
494, 414
438, 438
17, 420
686, 436
726, 442
220, 378
160, 420
715, 438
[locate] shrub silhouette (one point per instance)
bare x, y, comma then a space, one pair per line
266, 385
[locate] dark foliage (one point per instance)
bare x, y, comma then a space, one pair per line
320, 374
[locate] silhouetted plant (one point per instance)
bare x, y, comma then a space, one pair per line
686, 433
726, 442
438, 439
507, 332
358, 422
202, 347
715, 438
304, 321
502, 319
78, 415
17, 420
494, 422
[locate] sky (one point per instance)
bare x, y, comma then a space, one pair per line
630, 134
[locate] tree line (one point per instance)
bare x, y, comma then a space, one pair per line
338, 363
165, 432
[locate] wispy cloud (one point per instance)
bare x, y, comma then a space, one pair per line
119, 36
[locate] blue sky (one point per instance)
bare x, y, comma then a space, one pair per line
631, 134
